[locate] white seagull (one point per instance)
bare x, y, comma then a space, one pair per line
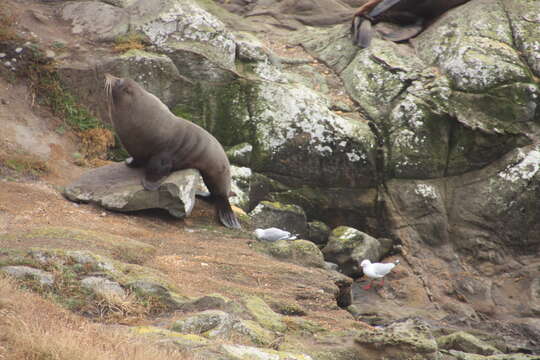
273, 234
376, 271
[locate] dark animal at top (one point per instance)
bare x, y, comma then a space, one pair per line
412, 15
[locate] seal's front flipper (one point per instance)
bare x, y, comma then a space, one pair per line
226, 214
133, 163
157, 168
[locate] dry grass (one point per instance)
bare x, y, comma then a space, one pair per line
96, 142
128, 42
34, 329
7, 33
24, 164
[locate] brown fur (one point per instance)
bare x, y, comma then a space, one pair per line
162, 142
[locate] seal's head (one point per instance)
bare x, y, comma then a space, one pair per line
120, 91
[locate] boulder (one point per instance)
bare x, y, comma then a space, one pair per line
23, 272
240, 154
99, 21
118, 187
466, 342
263, 314
301, 252
318, 233
408, 339
209, 323
104, 287
347, 247
240, 185
286, 217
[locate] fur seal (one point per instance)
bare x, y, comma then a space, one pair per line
412, 15
161, 142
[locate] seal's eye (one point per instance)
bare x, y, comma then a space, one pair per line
128, 90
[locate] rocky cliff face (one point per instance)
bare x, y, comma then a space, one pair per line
428, 148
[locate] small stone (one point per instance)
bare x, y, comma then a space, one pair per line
49, 54
2, 55
330, 266
104, 287
18, 50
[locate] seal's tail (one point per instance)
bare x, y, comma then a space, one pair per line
225, 213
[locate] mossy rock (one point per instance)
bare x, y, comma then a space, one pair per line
184, 341
255, 332
123, 248
410, 339
240, 154
261, 186
348, 247
153, 290
240, 352
318, 233
465, 342
263, 314
301, 252
208, 302
209, 323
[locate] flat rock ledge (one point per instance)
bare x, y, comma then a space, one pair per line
117, 187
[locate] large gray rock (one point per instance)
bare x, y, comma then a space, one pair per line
118, 187
306, 143
95, 19
241, 186
347, 247
197, 42
467, 112
21, 272
466, 342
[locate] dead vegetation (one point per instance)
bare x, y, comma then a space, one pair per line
24, 164
132, 41
7, 33
32, 329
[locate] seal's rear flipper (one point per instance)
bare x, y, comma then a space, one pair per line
226, 214
405, 32
362, 33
